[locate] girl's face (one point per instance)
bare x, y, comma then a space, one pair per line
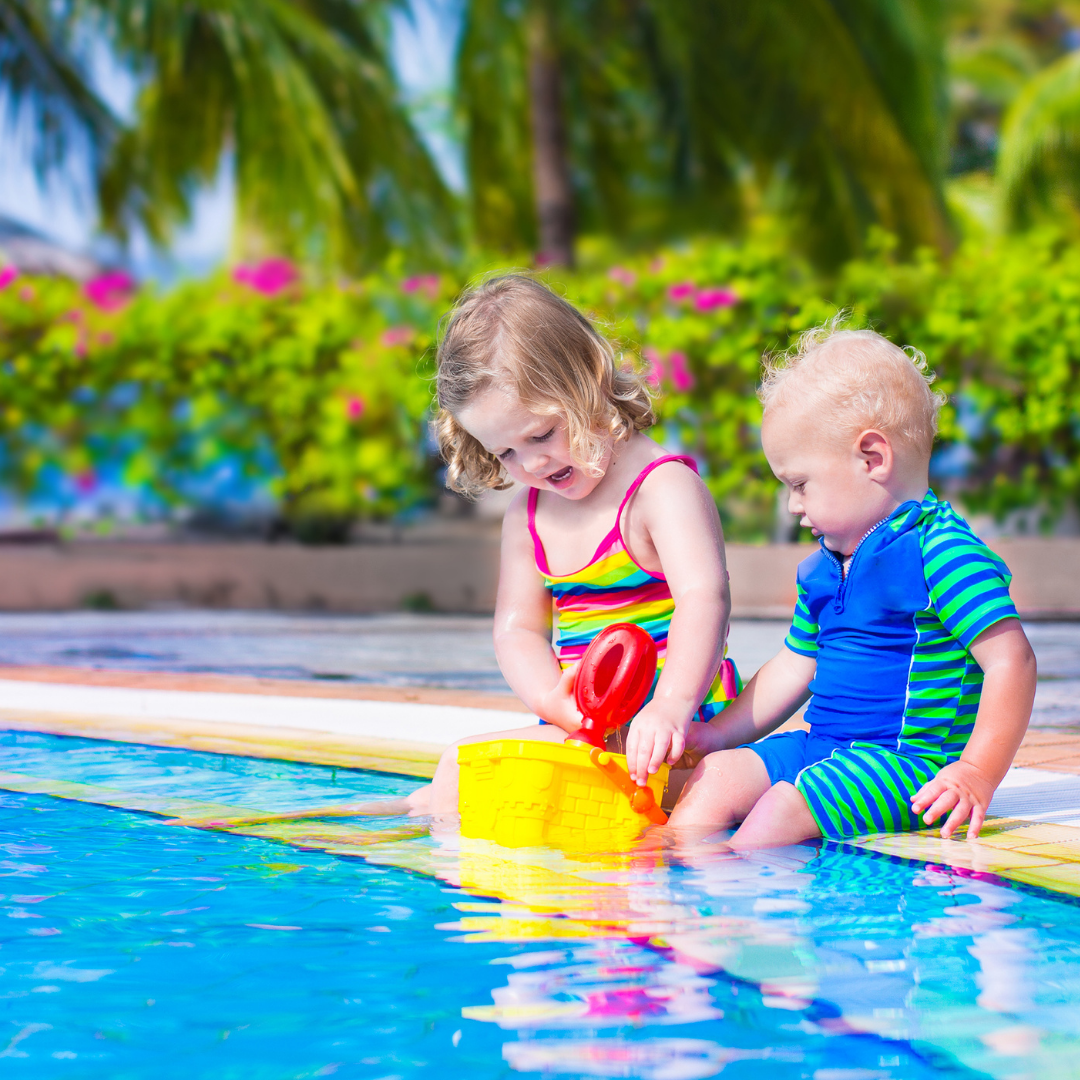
532, 448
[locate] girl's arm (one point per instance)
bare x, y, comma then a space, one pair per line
966, 787
680, 517
523, 627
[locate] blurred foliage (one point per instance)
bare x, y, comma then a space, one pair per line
333, 381
297, 99
683, 117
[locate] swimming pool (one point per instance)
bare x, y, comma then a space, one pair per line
131, 948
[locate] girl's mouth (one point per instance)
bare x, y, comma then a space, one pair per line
561, 477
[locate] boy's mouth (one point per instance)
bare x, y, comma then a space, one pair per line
560, 477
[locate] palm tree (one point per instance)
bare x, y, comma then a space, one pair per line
643, 117
40, 77
299, 93
1039, 153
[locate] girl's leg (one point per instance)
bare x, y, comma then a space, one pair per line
722, 790
780, 817
440, 797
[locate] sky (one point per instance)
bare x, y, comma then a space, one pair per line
423, 43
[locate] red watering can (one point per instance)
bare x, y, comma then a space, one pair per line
612, 683
613, 680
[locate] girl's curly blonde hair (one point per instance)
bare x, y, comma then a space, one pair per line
513, 331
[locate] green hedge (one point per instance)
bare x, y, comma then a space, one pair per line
326, 388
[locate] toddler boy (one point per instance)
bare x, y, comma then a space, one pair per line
921, 677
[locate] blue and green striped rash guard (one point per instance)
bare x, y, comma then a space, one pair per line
892, 639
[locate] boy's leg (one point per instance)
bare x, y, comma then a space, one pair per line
441, 795
722, 790
780, 817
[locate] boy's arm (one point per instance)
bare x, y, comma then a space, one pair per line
966, 787
772, 696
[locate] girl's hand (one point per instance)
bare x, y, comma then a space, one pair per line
960, 788
558, 706
701, 740
657, 733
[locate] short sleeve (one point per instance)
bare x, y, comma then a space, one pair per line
967, 582
802, 638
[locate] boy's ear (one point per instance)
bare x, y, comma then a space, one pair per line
876, 450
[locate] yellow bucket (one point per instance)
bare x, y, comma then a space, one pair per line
521, 793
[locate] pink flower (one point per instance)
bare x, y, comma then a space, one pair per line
27, 293
268, 277
623, 276
656, 265
110, 291
354, 407
85, 482
655, 373
683, 291
710, 299
7, 275
398, 335
425, 283
681, 377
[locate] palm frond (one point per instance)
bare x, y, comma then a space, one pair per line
301, 95
40, 75
1039, 153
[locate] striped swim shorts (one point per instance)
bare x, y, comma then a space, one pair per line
851, 788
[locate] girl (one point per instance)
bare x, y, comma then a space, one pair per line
608, 528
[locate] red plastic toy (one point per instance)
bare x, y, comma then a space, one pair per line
614, 678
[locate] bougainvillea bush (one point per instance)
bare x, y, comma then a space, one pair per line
322, 391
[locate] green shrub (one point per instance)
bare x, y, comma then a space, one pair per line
326, 388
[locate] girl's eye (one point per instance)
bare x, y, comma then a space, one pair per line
543, 438
505, 455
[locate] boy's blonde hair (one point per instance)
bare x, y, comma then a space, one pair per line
853, 380
514, 332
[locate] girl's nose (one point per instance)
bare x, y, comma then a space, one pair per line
536, 462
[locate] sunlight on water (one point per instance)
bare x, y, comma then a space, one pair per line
130, 948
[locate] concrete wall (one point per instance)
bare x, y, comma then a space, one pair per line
450, 575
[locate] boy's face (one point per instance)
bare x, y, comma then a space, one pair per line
839, 491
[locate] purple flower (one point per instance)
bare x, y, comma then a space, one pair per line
7, 275
681, 377
268, 277
110, 291
683, 291
710, 299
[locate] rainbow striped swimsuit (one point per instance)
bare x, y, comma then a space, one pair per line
612, 588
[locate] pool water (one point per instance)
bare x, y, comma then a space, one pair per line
131, 949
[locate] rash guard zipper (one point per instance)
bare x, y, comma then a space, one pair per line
841, 590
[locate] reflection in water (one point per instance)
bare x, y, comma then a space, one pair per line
797, 956
671, 960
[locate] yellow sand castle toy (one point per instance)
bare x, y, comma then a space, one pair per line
577, 794
521, 793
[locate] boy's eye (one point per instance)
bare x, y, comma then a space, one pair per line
544, 438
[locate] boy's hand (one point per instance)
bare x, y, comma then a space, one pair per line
960, 788
657, 733
700, 741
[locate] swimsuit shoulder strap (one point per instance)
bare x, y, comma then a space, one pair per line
538, 545
640, 479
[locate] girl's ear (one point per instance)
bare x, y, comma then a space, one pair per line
877, 453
